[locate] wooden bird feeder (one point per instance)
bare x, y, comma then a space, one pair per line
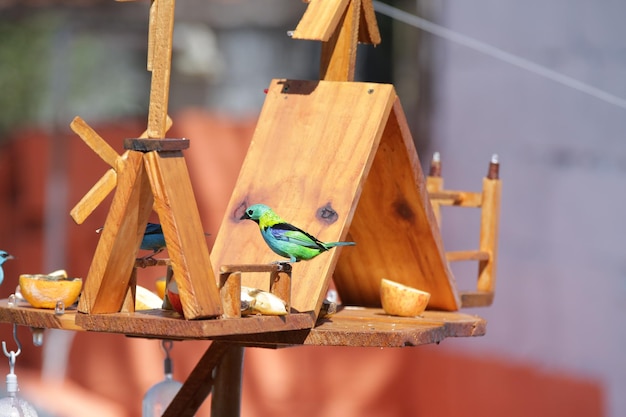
334, 157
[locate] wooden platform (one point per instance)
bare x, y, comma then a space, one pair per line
350, 326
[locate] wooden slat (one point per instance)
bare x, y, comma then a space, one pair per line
489, 225
435, 185
94, 197
337, 126
320, 20
230, 294
395, 228
368, 27
371, 327
468, 255
348, 327
94, 141
176, 206
166, 324
477, 298
338, 58
26, 315
160, 38
110, 271
457, 198
102, 188
226, 399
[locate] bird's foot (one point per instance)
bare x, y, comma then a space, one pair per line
284, 266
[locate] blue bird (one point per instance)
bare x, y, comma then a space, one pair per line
153, 239
4, 256
286, 239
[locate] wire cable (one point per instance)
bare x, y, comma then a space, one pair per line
496, 53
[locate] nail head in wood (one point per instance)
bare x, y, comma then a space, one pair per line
159, 145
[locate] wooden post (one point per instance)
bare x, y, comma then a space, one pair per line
110, 272
226, 399
159, 62
340, 25
434, 184
338, 58
280, 284
230, 293
489, 224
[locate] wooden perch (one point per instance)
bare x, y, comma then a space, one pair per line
488, 201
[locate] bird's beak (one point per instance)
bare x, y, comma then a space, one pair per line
244, 217
10, 257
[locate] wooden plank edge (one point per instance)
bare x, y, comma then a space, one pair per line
163, 324
362, 331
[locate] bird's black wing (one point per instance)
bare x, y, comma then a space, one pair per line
289, 232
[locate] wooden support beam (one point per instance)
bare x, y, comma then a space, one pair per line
198, 384
489, 225
230, 294
456, 198
110, 272
338, 59
226, 399
320, 20
467, 255
280, 285
159, 60
177, 209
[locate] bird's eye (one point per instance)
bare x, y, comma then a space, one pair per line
250, 212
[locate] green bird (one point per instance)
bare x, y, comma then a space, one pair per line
286, 239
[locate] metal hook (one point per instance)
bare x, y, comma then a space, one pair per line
167, 346
17, 342
12, 355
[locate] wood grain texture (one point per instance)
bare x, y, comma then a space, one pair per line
435, 185
107, 282
372, 327
26, 315
395, 228
159, 60
176, 206
368, 26
367, 327
103, 187
94, 141
94, 196
312, 148
338, 58
167, 324
226, 399
320, 20
456, 198
467, 255
489, 229
230, 294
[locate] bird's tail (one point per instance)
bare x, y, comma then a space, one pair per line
329, 245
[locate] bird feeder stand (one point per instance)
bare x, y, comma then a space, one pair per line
348, 170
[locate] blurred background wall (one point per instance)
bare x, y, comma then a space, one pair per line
554, 338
